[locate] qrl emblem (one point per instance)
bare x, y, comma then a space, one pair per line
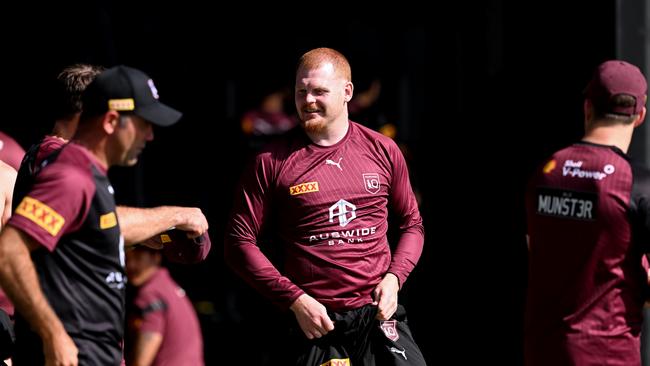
371, 182
389, 327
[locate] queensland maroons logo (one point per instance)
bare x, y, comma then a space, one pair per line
371, 182
389, 327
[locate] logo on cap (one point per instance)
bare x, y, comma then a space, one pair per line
127, 104
154, 91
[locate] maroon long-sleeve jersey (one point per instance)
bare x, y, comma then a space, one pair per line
332, 209
588, 223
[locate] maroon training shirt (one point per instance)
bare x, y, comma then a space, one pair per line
332, 208
588, 222
162, 307
69, 209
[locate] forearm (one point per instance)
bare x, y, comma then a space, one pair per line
19, 280
140, 224
146, 348
407, 253
256, 269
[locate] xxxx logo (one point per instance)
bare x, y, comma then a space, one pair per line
337, 362
107, 221
41, 214
303, 188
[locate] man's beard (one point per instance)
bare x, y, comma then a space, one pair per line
314, 127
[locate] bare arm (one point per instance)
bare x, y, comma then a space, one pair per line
146, 348
7, 181
140, 224
19, 280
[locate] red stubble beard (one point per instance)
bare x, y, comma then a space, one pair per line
314, 126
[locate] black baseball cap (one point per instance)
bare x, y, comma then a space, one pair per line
127, 90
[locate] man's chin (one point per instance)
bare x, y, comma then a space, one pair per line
130, 162
314, 126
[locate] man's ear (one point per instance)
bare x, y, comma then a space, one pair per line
349, 91
641, 118
110, 121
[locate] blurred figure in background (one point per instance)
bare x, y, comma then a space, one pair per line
268, 119
162, 326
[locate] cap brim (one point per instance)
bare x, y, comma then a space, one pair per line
159, 114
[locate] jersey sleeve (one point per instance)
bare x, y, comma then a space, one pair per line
153, 308
405, 209
253, 198
56, 204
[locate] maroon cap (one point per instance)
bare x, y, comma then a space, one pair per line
178, 248
616, 77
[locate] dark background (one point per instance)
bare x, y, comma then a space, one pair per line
480, 93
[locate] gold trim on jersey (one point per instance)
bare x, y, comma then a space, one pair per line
107, 221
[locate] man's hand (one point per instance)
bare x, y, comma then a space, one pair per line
60, 350
385, 295
191, 220
312, 317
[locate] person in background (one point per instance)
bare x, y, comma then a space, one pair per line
588, 229
162, 326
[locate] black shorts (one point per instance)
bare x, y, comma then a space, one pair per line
7, 336
358, 339
92, 352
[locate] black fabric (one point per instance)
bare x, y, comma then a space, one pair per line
358, 340
7, 336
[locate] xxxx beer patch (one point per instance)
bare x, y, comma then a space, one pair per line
303, 188
41, 214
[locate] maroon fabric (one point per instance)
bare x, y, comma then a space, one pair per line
56, 193
331, 208
182, 249
616, 77
586, 278
10, 151
164, 309
268, 123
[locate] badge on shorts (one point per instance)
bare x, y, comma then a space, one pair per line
389, 327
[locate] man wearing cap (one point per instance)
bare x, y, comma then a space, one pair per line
70, 293
136, 224
588, 212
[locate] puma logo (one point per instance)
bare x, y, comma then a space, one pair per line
401, 352
332, 162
